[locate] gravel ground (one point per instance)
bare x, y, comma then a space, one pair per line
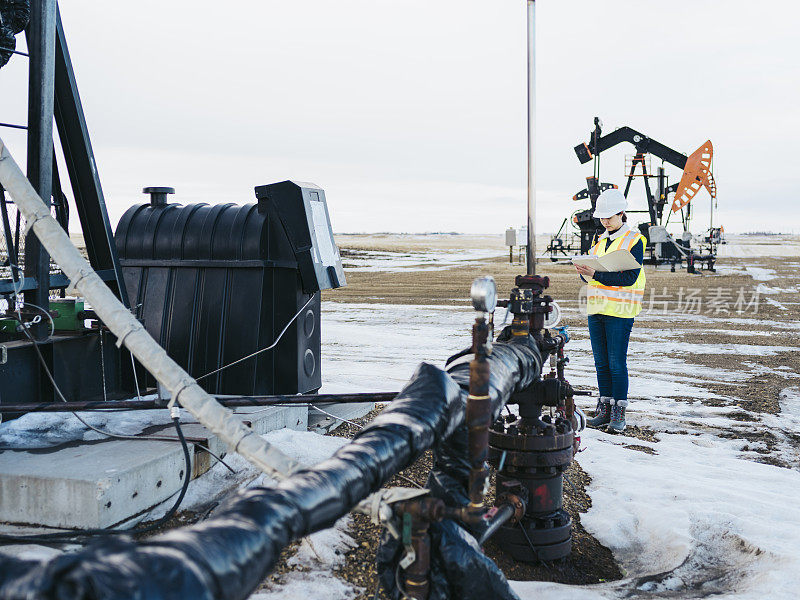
590, 562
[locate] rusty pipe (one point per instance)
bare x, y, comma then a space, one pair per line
417, 586
421, 513
478, 414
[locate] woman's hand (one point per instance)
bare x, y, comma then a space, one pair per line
584, 270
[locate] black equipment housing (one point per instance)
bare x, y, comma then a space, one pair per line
213, 284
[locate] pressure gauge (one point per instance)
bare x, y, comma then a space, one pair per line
484, 294
553, 318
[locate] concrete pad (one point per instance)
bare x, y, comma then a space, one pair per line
88, 486
270, 418
101, 483
322, 423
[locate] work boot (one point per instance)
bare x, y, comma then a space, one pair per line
617, 424
602, 414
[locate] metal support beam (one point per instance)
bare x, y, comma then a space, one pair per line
58, 281
531, 250
82, 169
651, 203
9, 237
41, 77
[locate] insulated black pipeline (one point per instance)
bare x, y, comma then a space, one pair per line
229, 401
228, 555
501, 517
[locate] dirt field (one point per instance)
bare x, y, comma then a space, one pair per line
702, 306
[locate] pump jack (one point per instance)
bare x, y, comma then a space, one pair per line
661, 247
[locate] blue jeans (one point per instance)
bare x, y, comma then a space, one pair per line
609, 336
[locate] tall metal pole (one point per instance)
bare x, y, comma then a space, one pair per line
531, 250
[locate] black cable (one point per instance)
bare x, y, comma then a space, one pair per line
456, 356
78, 538
84, 536
4, 49
270, 347
109, 434
530, 543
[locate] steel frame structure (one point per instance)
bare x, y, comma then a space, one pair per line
53, 96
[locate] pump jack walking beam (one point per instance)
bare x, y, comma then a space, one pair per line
696, 168
642, 143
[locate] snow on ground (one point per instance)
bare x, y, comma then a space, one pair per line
790, 403
377, 347
44, 430
319, 585
395, 262
306, 447
760, 273
691, 521
744, 246
319, 553
700, 516
323, 551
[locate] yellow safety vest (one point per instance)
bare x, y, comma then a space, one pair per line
616, 300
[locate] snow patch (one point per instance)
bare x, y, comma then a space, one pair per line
315, 585
790, 402
396, 262
760, 273
306, 447
324, 548
693, 519
44, 430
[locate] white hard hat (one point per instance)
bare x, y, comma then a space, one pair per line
609, 203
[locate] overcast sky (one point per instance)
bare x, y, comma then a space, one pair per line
411, 114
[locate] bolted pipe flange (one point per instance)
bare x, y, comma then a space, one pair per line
533, 451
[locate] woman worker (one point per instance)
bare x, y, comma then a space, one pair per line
612, 302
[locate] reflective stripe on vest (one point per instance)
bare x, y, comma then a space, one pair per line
616, 300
